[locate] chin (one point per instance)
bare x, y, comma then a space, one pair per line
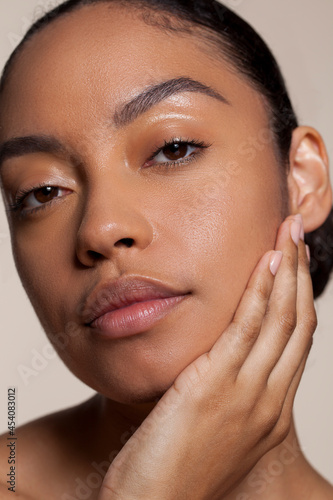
133, 387
139, 398
138, 393
129, 376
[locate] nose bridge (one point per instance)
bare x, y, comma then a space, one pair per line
113, 216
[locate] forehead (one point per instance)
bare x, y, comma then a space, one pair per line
98, 57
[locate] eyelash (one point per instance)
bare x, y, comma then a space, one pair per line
22, 194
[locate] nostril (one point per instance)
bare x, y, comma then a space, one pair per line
128, 242
94, 255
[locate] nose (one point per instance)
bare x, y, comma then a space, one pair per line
112, 223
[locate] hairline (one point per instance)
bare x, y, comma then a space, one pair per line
208, 36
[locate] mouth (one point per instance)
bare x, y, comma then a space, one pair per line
130, 306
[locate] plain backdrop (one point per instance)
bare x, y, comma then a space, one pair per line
300, 33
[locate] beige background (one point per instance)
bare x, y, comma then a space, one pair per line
301, 35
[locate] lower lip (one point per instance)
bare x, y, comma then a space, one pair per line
134, 319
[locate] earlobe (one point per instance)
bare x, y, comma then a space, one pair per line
310, 191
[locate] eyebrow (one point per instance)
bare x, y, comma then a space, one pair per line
152, 96
124, 115
20, 146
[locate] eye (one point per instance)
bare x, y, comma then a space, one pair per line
27, 201
176, 152
41, 196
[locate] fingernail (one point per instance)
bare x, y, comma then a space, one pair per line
275, 262
307, 248
296, 230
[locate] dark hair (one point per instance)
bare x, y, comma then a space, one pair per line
240, 45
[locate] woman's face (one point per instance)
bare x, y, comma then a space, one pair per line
199, 225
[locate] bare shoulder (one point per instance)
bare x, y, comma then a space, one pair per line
37, 456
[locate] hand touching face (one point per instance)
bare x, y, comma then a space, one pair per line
232, 405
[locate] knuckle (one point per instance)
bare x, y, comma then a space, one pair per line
288, 321
248, 331
310, 321
260, 291
281, 433
268, 419
194, 375
282, 428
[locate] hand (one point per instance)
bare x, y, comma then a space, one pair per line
232, 405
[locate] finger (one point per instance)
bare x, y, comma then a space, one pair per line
293, 386
281, 316
237, 340
283, 425
306, 322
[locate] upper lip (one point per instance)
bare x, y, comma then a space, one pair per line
124, 292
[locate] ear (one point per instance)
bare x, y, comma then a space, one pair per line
310, 191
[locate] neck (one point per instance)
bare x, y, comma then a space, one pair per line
282, 473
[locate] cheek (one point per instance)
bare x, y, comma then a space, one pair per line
42, 259
228, 228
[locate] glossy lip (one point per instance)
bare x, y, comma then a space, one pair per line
129, 305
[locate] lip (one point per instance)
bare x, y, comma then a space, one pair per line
129, 306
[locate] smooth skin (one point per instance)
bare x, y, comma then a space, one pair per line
214, 381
